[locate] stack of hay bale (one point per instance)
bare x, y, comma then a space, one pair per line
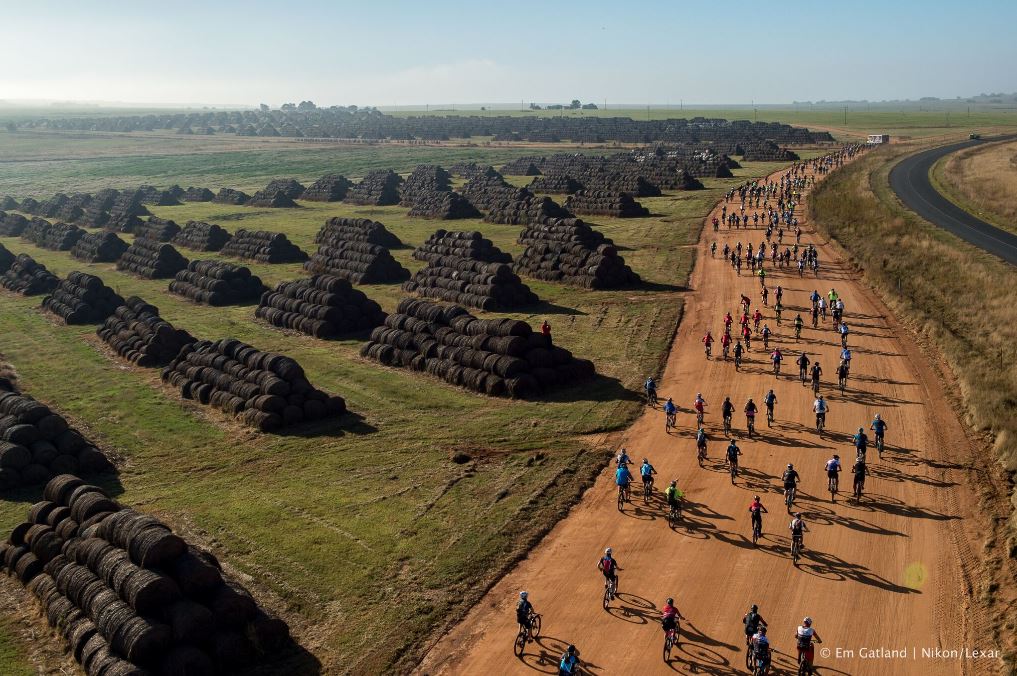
126, 212
523, 166
36, 444
466, 268
216, 283
767, 151
193, 194
601, 203
55, 236
201, 236
378, 188
504, 203
161, 198
272, 200
349, 248
288, 186
129, 596
555, 183
444, 206
49, 208
6, 259
330, 188
151, 259
570, 251
35, 230
158, 229
231, 196
498, 357
425, 180
265, 390
8, 203
29, 205
323, 306
82, 299
140, 335
12, 225
263, 246
27, 277
99, 247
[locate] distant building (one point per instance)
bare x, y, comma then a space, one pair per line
876, 139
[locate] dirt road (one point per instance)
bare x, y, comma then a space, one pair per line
890, 572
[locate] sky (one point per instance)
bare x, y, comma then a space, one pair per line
389, 52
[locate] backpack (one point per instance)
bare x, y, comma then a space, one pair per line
608, 565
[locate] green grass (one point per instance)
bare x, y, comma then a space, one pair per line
12, 655
338, 529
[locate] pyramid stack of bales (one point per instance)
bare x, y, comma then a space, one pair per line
271, 200
29, 205
158, 229
8, 203
6, 259
329, 188
35, 230
128, 203
104, 199
27, 277
37, 443
263, 246
348, 248
12, 225
70, 212
498, 357
151, 259
466, 268
231, 196
445, 206
160, 198
469, 170
378, 188
217, 283
570, 251
504, 203
323, 306
288, 186
193, 194
82, 299
94, 216
129, 596
264, 390
600, 203
201, 236
50, 207
425, 180
523, 166
53, 236
555, 183
99, 247
140, 335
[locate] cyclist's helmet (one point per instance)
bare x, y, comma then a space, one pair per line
756, 498
670, 601
669, 398
820, 397
674, 484
523, 595
790, 466
571, 650
607, 551
877, 416
762, 630
754, 607
836, 457
807, 621
861, 430
798, 515
699, 395
646, 461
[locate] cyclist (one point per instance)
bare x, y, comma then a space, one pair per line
669, 616
708, 342
623, 477
790, 479
646, 471
879, 426
673, 495
713, 247
778, 294
803, 366
622, 459
845, 356
833, 469
738, 349
766, 336
670, 411
778, 309
569, 664
756, 512
776, 358
727, 411
822, 307
860, 471
523, 611
816, 372
832, 296
701, 442
608, 565
843, 370
747, 335
799, 323
798, 530
843, 334
651, 390
770, 399
725, 342
815, 316
733, 452
699, 404
814, 297
761, 650
805, 636
752, 621
861, 442
764, 294
757, 317
750, 415
728, 320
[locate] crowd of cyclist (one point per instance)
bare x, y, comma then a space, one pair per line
780, 222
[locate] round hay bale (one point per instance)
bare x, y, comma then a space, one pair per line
93, 461
232, 606
9, 478
185, 659
59, 488
232, 650
155, 546
197, 578
65, 464
141, 641
38, 512
47, 546
90, 504
80, 490
14, 456
268, 634
35, 474
91, 649
67, 529
57, 515
147, 591
190, 622
57, 609
51, 426
17, 536
78, 635
43, 452
27, 567
23, 435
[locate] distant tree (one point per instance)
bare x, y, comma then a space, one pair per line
534, 106
353, 109
306, 105
555, 106
589, 106
288, 106
483, 107
263, 107
575, 105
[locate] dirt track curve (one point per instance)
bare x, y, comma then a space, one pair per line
893, 571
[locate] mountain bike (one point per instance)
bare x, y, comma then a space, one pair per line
769, 416
647, 491
526, 635
651, 397
623, 497
833, 485
734, 470
789, 497
859, 486
842, 381
820, 422
699, 418
701, 453
815, 386
674, 515
798, 333
751, 424
776, 369
709, 350
670, 641
727, 426
796, 549
669, 423
738, 361
757, 530
879, 445
610, 591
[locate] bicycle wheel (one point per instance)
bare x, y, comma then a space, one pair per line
535, 626
647, 491
621, 500
755, 535
795, 552
607, 597
748, 656
520, 643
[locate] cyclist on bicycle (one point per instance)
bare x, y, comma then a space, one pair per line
778, 294
699, 404
608, 565
833, 469
821, 408
799, 323
727, 410
708, 342
861, 442
803, 366
770, 399
623, 477
778, 310
766, 332
756, 512
798, 529
569, 664
738, 351
843, 334
728, 320
747, 335
860, 471
815, 316
725, 342
651, 389
790, 479
523, 611
804, 637
776, 357
646, 471
879, 426
669, 616
842, 372
757, 317
622, 458
752, 621
732, 453
761, 650
814, 297
673, 495
670, 410
816, 372
750, 413
701, 441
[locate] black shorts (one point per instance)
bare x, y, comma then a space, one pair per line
832, 473
647, 479
788, 487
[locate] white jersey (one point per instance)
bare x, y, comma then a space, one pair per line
819, 406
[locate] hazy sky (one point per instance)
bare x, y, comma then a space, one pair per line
371, 52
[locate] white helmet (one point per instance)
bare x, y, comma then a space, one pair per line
523, 595
807, 621
608, 551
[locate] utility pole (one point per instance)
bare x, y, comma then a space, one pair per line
845, 116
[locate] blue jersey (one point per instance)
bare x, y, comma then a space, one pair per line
861, 441
568, 663
732, 453
646, 469
879, 426
622, 477
670, 408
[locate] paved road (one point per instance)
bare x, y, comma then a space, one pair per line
910, 180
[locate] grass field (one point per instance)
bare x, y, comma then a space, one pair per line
339, 531
983, 181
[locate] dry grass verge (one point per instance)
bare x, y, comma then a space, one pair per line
982, 180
